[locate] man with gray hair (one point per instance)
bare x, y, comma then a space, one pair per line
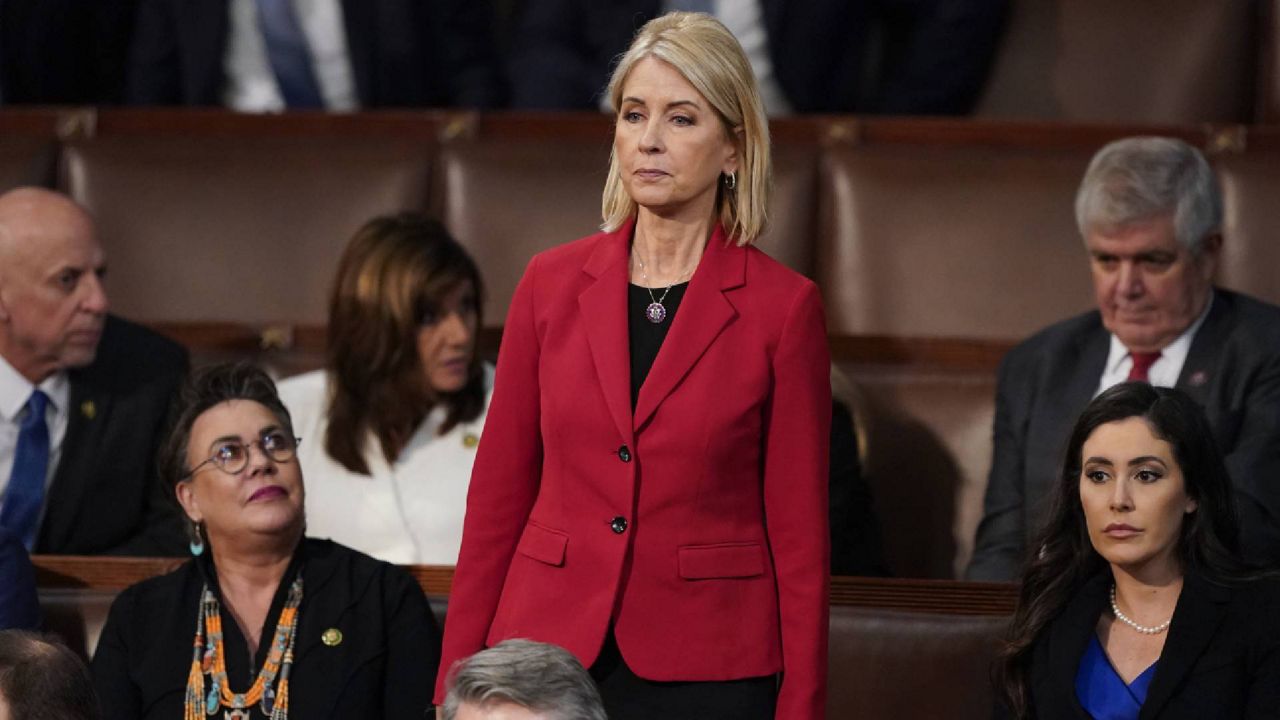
1150, 212
521, 680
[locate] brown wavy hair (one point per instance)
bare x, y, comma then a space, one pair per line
395, 272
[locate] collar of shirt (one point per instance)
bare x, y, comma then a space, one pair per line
15, 390
1165, 371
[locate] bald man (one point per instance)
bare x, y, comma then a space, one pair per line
83, 395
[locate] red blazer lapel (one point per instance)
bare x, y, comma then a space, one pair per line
604, 312
704, 312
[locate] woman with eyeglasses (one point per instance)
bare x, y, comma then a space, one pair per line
261, 622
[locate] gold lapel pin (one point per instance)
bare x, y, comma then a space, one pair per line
88, 409
331, 637
470, 440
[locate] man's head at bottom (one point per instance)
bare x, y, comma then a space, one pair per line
521, 680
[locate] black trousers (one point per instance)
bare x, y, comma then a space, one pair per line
628, 697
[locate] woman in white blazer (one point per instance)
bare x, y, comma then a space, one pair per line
390, 425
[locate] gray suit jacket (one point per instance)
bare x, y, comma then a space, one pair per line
1232, 370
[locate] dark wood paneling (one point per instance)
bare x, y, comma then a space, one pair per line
933, 596
204, 122
218, 339
958, 354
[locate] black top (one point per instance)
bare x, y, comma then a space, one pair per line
242, 667
1221, 658
381, 667
646, 337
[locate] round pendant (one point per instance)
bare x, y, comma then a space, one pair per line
655, 313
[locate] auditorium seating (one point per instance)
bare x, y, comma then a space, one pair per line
888, 638
892, 664
553, 178
1162, 61
928, 442
1251, 183
937, 244
204, 224
931, 240
26, 161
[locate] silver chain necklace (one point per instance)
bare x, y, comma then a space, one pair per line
656, 312
1144, 629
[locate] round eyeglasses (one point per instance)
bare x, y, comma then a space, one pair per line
232, 456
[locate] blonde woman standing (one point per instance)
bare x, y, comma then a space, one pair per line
651, 490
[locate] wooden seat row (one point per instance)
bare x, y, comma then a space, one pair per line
888, 638
937, 244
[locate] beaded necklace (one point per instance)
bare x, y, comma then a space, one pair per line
1144, 629
208, 658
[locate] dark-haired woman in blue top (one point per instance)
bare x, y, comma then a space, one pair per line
1136, 604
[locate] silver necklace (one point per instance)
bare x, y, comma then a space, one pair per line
1144, 629
656, 312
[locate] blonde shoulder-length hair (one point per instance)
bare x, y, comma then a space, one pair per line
710, 58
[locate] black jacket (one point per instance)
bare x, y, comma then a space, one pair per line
382, 668
906, 57
64, 52
403, 53
1221, 659
106, 496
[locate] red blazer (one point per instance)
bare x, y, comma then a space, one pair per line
698, 523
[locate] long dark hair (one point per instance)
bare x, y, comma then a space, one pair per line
1062, 556
395, 272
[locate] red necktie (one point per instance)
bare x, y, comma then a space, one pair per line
1142, 362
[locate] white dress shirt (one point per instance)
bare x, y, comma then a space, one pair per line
15, 390
1165, 370
745, 19
251, 84
409, 512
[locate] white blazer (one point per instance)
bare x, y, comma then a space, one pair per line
409, 512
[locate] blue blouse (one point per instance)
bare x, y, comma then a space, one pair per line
1101, 691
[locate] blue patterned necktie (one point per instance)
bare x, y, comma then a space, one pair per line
289, 55
24, 496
